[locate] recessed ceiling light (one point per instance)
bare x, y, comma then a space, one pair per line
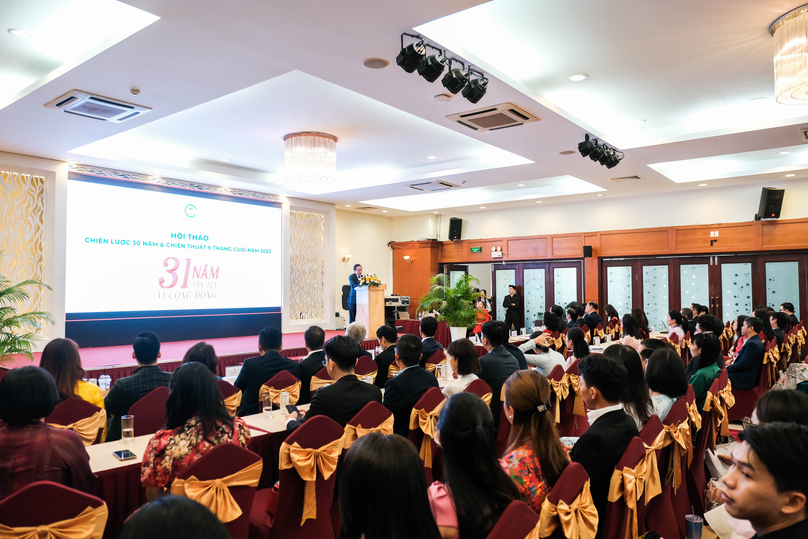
375, 63
432, 157
434, 212
16, 32
784, 153
702, 185
482, 207
567, 152
538, 202
347, 205
790, 175
520, 185
578, 77
384, 211
599, 195
226, 160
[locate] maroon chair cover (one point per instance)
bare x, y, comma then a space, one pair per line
370, 416
617, 515
286, 379
502, 425
226, 388
479, 387
436, 357
44, 502
651, 430
697, 473
673, 338
572, 424
428, 401
746, 399
150, 411
518, 520
314, 433
365, 365
568, 487
223, 460
72, 410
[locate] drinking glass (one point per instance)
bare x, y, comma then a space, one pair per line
268, 407
695, 525
596, 341
439, 371
127, 429
284, 400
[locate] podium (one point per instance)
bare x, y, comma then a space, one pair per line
370, 307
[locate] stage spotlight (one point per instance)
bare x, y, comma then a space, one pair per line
597, 152
455, 79
615, 159
475, 89
586, 146
431, 67
410, 56
608, 153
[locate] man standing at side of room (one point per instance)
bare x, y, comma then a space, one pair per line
354, 280
511, 305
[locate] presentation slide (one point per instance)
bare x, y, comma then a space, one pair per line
131, 249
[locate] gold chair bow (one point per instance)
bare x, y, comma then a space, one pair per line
317, 383
679, 436
372, 374
721, 403
215, 493
561, 388
392, 370
233, 402
89, 524
431, 367
695, 417
487, 398
578, 519
630, 483
88, 427
574, 381
599, 333
275, 394
353, 433
588, 336
427, 421
307, 461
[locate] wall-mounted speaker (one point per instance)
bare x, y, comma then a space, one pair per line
587, 251
455, 225
771, 202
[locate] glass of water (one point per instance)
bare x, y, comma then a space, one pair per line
439, 371
268, 407
128, 429
284, 401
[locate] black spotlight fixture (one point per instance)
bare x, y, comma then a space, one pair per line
411, 56
597, 152
475, 89
614, 160
431, 67
608, 153
456, 78
586, 147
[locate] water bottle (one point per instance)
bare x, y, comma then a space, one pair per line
596, 341
104, 381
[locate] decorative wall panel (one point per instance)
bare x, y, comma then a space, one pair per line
22, 232
535, 302
618, 288
694, 284
783, 284
565, 282
655, 295
736, 290
504, 278
307, 264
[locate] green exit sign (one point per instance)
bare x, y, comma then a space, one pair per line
476, 249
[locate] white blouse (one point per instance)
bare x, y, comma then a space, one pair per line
459, 385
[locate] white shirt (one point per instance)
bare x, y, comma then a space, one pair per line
546, 362
312, 352
459, 385
679, 333
593, 415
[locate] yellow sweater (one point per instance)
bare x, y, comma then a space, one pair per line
92, 394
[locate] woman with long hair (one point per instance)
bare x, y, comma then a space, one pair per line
636, 399
202, 353
611, 314
535, 457
382, 491
737, 324
631, 331
62, 360
667, 380
705, 365
576, 341
763, 315
197, 421
465, 365
476, 486
642, 320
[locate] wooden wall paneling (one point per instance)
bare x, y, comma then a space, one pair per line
528, 248
776, 235
739, 237
453, 251
567, 246
634, 242
591, 285
412, 279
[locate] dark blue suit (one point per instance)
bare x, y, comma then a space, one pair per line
353, 280
429, 347
745, 372
402, 392
255, 372
592, 320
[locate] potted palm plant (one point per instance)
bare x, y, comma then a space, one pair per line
453, 303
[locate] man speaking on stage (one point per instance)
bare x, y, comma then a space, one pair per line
354, 279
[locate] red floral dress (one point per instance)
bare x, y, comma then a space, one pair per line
173, 450
522, 465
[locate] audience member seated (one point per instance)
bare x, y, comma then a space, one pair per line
128, 390
62, 360
636, 399
737, 325
561, 314
576, 342
30, 450
788, 308
258, 370
780, 325
403, 390
202, 353
642, 321
763, 314
675, 322
744, 372
545, 358
667, 380
535, 457
382, 491
591, 316
688, 324
648, 347
610, 430
631, 331
785, 405
429, 325
611, 314
347, 395
498, 364
314, 339
477, 490
572, 318
387, 335
768, 482
699, 309
552, 323
197, 421
707, 323
358, 332
706, 362
481, 317
465, 365
514, 350
176, 517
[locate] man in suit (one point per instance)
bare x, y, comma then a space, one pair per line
403, 390
314, 338
258, 370
387, 336
788, 308
347, 395
514, 350
689, 324
511, 304
744, 372
572, 318
353, 281
429, 326
498, 364
600, 448
591, 316
778, 321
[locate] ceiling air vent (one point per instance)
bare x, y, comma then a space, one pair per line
439, 185
493, 118
96, 107
626, 179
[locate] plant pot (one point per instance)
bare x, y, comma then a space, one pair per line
458, 333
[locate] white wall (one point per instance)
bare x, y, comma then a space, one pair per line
415, 227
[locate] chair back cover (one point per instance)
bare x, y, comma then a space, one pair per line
569, 501
517, 521
423, 423
283, 381
150, 411
321, 378
634, 482
75, 410
365, 366
573, 411
231, 395
373, 417
480, 388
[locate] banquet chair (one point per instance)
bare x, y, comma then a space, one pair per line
373, 417
283, 381
599, 333
518, 520
632, 487
651, 430
573, 410
746, 399
560, 386
366, 366
231, 395
480, 388
438, 358
311, 451
423, 424
587, 333
320, 379
503, 426
45, 503
150, 411
570, 490
222, 462
696, 473
88, 420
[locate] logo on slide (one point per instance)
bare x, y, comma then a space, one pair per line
190, 210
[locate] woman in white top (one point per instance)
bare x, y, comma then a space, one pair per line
545, 359
675, 321
464, 362
667, 380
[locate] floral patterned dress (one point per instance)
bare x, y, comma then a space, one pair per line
522, 465
172, 450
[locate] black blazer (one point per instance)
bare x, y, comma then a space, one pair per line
497, 365
340, 401
308, 368
691, 327
384, 360
592, 320
255, 372
353, 280
779, 335
402, 392
599, 450
430, 346
744, 373
573, 324
518, 354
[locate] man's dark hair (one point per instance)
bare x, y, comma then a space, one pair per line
573, 312
593, 304
781, 319
388, 332
687, 312
708, 322
270, 338
495, 332
581, 310
147, 347
314, 338
551, 321
512, 286
409, 349
788, 306
177, 517
787, 405
557, 310
343, 351
781, 447
755, 323
429, 325
604, 373
27, 395
703, 309
356, 266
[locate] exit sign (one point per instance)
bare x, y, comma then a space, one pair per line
476, 249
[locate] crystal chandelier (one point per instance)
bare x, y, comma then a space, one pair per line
790, 33
310, 157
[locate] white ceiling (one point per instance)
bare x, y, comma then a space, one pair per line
228, 80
